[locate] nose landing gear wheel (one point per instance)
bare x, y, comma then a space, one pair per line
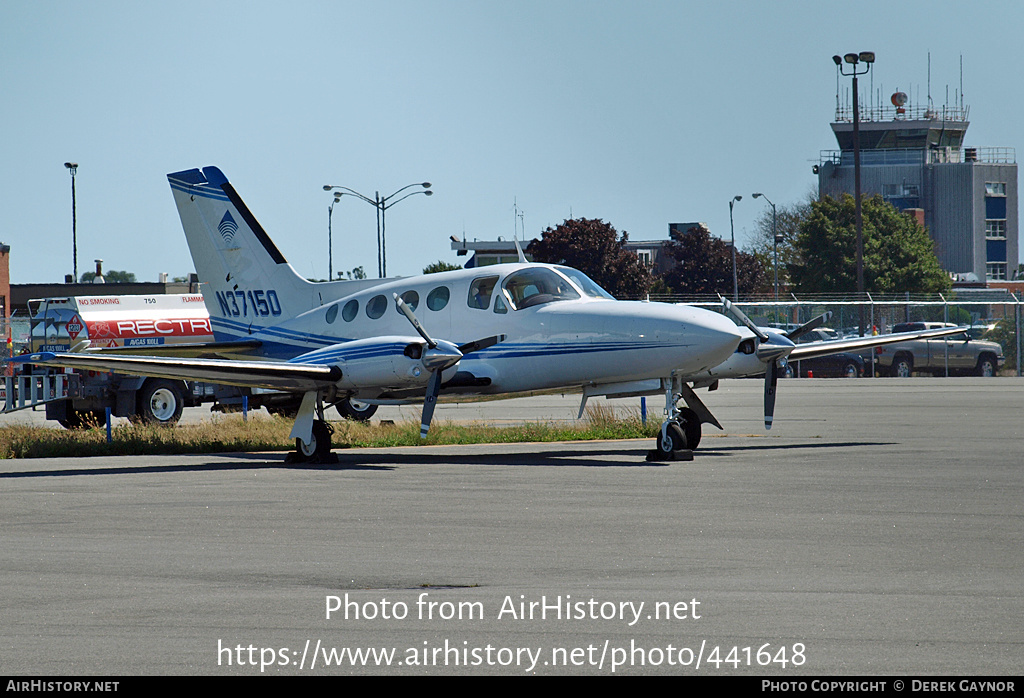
671, 443
689, 422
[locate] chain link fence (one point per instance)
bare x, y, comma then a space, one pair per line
995, 313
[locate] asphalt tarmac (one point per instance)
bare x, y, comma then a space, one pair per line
876, 530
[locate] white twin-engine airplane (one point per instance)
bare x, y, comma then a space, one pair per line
498, 329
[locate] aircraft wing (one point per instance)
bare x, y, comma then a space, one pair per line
856, 344
275, 375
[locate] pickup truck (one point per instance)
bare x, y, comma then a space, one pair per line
959, 354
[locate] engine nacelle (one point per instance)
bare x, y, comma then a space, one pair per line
386, 363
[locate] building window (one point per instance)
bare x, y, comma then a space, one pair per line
995, 229
995, 271
900, 191
995, 188
646, 257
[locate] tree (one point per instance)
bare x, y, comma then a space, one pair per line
440, 265
1005, 332
899, 256
704, 265
595, 248
787, 225
111, 277
356, 273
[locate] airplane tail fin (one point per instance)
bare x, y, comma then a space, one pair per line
247, 282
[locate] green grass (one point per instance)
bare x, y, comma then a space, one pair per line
228, 433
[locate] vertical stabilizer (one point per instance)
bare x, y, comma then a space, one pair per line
244, 275
247, 283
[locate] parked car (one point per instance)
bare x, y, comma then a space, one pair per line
842, 365
960, 354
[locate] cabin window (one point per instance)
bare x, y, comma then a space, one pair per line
438, 298
351, 310
376, 307
499, 305
411, 299
480, 292
535, 286
332, 313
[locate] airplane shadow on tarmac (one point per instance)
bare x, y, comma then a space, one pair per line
359, 459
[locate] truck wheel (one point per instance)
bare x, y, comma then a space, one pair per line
986, 366
160, 402
355, 410
902, 367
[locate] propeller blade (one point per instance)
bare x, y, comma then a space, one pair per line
771, 381
739, 315
481, 344
808, 326
430, 402
407, 311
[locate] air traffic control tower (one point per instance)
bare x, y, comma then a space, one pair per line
916, 159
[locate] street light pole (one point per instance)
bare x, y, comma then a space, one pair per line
382, 204
732, 232
330, 243
774, 235
380, 237
854, 60
73, 169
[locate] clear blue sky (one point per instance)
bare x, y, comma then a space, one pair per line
639, 113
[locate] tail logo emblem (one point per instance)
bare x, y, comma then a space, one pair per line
227, 227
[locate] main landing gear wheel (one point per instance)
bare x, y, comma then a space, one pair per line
355, 410
318, 450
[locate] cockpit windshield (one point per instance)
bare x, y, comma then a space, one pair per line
587, 284
536, 285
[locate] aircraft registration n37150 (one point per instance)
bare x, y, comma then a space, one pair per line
490, 330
